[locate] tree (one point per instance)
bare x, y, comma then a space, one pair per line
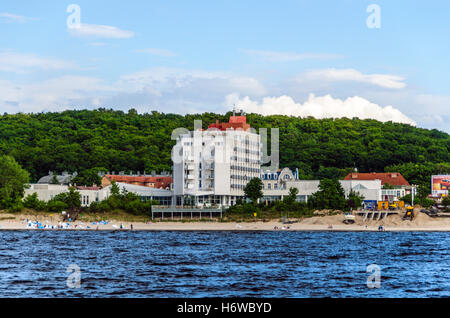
253, 190
291, 197
13, 180
408, 199
71, 199
89, 177
354, 200
331, 195
115, 190
32, 202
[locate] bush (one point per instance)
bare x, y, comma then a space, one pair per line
446, 201
426, 203
16, 207
407, 199
245, 209
32, 202
331, 195
56, 206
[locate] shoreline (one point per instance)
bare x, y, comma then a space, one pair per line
329, 223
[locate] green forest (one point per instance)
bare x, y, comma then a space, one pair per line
127, 141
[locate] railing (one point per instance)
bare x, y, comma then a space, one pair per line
157, 209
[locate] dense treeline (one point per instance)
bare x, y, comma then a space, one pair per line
118, 141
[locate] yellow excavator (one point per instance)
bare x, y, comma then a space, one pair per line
409, 214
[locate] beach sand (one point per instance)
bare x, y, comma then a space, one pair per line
421, 222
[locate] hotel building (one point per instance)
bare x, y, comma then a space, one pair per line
212, 167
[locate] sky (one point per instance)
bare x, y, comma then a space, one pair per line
386, 60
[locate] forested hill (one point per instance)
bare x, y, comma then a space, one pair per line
117, 141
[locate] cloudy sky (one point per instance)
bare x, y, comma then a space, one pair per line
304, 58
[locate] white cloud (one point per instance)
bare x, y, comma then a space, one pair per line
336, 75
52, 95
98, 44
19, 62
192, 82
100, 31
164, 89
276, 56
320, 107
10, 17
158, 52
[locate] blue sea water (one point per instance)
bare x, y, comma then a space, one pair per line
224, 264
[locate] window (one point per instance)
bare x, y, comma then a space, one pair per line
269, 186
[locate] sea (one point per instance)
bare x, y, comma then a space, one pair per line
169, 264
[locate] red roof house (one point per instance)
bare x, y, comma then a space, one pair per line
157, 182
393, 178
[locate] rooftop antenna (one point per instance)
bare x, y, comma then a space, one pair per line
234, 110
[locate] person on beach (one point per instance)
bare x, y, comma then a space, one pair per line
131, 227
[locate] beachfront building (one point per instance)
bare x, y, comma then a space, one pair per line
276, 185
163, 196
212, 167
394, 185
46, 192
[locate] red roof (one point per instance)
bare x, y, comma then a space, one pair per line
393, 178
93, 188
157, 181
235, 122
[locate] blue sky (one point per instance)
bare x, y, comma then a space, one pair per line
291, 57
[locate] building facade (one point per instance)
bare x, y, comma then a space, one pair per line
212, 167
46, 192
276, 185
88, 195
394, 185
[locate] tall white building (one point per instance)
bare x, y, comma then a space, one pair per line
212, 167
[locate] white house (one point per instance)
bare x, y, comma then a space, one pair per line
276, 185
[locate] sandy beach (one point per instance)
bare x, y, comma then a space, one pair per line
421, 222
